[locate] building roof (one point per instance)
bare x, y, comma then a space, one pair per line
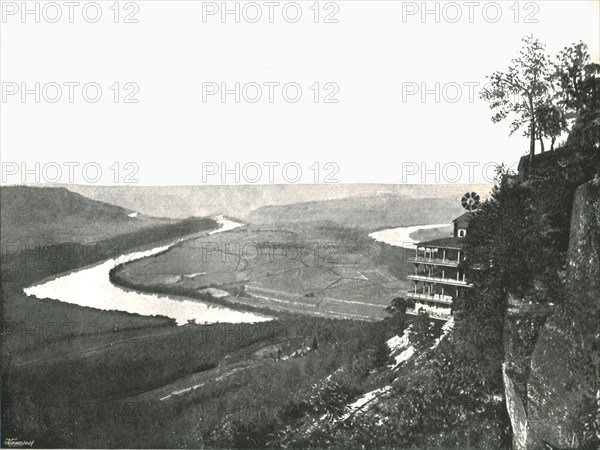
464, 218
449, 242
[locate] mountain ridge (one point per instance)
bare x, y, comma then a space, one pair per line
241, 200
40, 215
373, 212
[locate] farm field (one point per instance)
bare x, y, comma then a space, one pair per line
319, 269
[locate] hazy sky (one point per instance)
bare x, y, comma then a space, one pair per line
371, 60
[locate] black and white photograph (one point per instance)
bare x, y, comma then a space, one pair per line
310, 224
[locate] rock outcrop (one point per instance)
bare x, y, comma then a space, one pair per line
564, 380
522, 436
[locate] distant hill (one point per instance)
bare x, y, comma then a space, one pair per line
36, 215
372, 213
241, 200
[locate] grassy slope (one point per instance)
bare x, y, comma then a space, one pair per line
115, 392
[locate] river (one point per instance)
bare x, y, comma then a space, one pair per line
90, 286
400, 237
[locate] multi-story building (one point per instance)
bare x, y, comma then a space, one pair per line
439, 276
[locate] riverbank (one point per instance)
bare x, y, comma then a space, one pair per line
31, 322
92, 287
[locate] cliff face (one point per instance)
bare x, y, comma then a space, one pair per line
522, 436
563, 384
570, 162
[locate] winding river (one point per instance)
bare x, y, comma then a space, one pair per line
90, 286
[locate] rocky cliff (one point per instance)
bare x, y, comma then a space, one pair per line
558, 403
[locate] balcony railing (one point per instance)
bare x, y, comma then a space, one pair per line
450, 281
446, 299
437, 261
432, 314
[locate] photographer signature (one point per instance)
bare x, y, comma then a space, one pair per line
15, 442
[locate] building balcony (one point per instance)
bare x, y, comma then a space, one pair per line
445, 299
431, 314
448, 281
434, 261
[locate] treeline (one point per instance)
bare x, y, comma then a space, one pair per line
23, 266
